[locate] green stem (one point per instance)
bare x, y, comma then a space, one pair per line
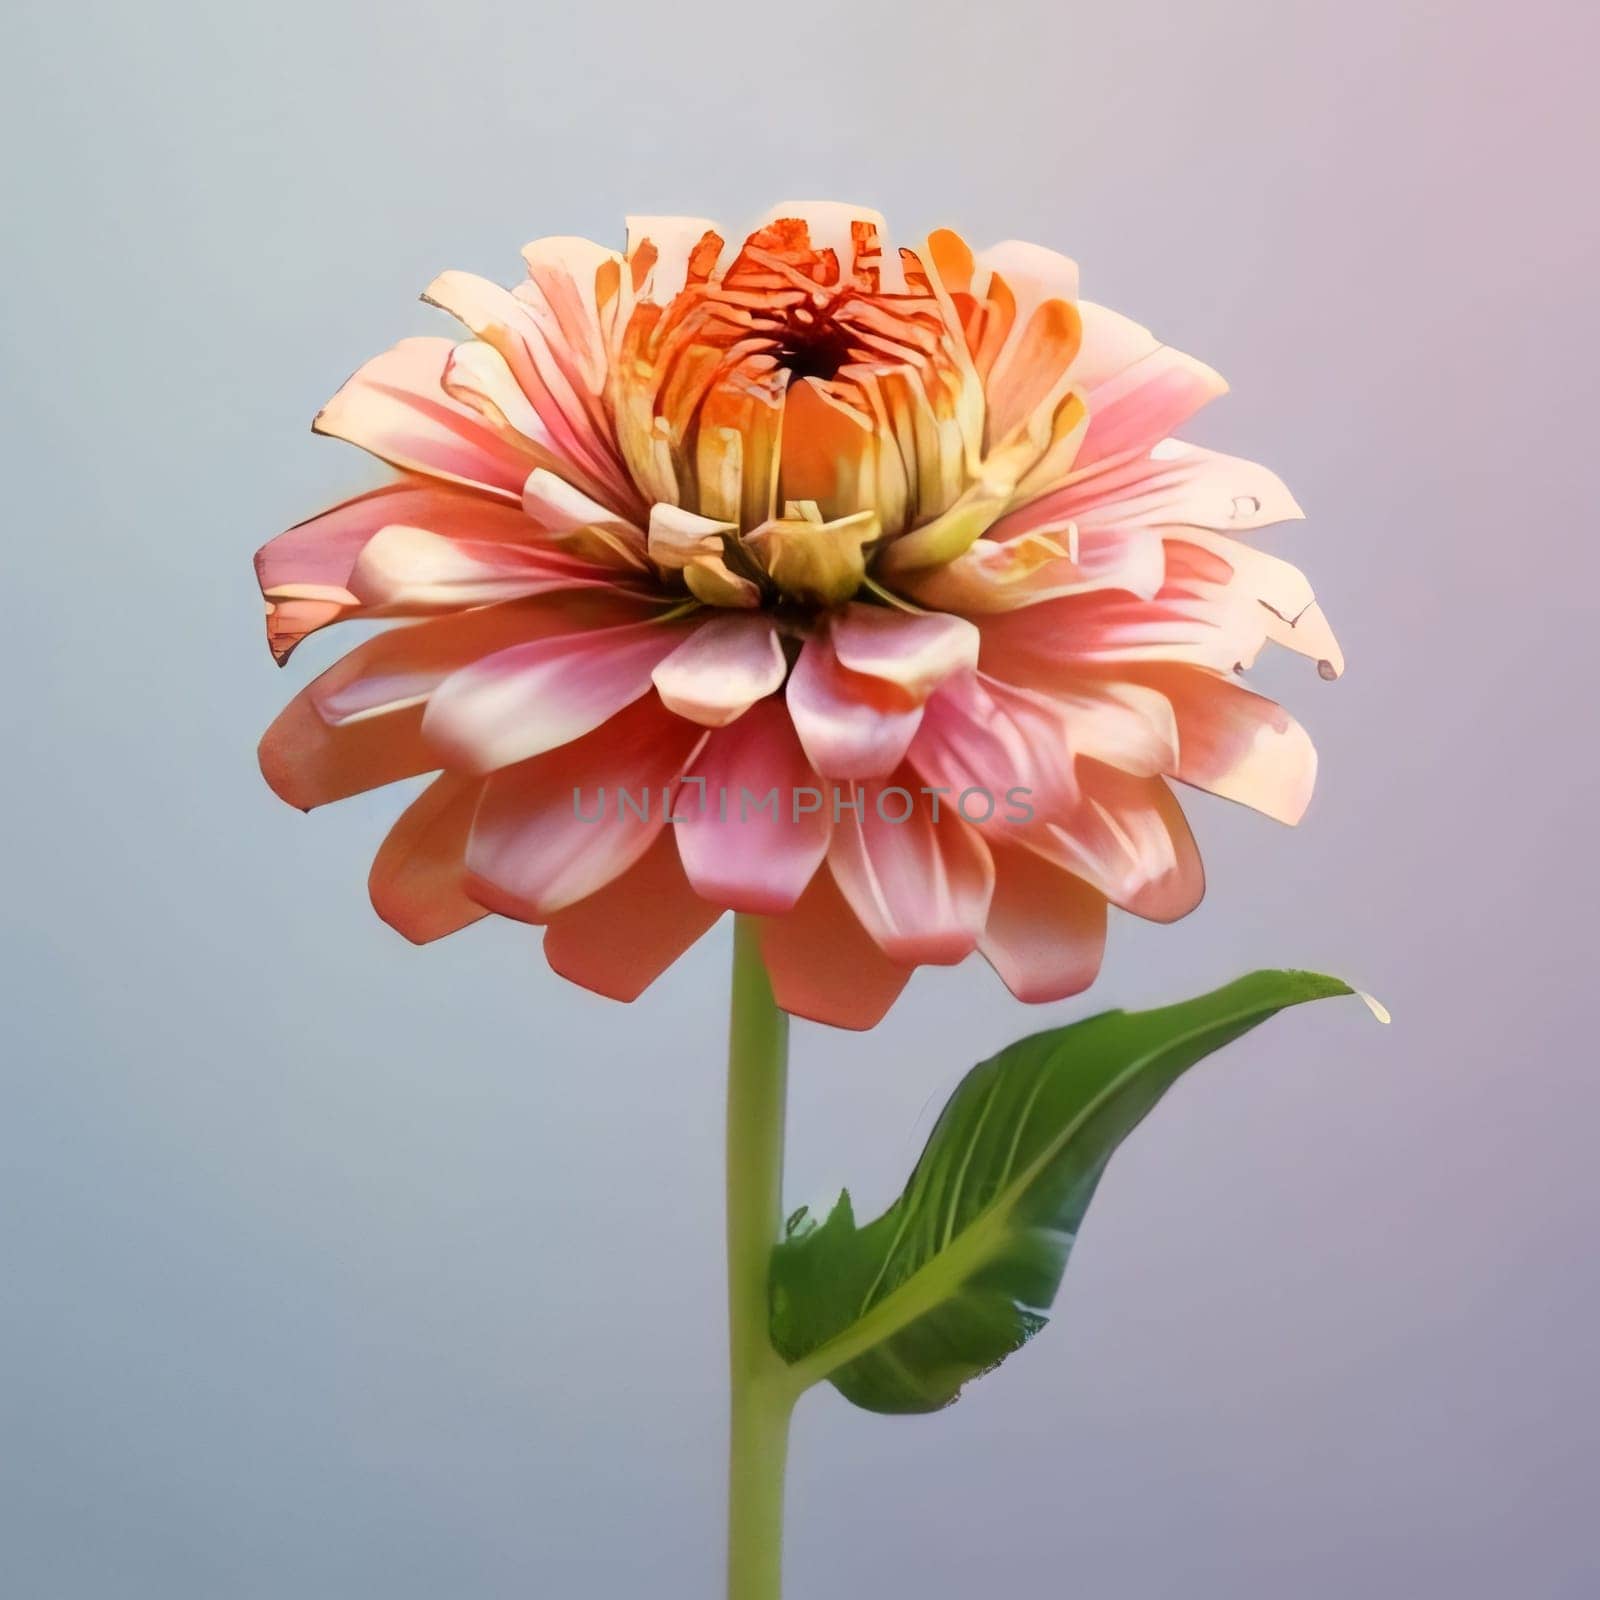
763, 1394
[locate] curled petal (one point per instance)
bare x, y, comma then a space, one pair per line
851, 725
816, 561
825, 966
417, 875
722, 669
397, 407
305, 572
620, 939
568, 514
915, 651
1111, 344
563, 291
678, 537
412, 570
756, 817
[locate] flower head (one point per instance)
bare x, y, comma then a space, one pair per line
865, 590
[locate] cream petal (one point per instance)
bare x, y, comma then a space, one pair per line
678, 537
1035, 566
1111, 344
410, 570
564, 511
1237, 744
915, 651
722, 669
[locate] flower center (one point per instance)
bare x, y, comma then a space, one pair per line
813, 345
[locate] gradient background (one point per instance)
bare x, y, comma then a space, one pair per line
334, 1268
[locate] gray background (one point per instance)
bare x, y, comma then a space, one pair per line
333, 1268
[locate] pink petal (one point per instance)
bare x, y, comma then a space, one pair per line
1143, 404
1128, 837
305, 572
309, 762
851, 725
536, 696
915, 651
404, 666
551, 831
620, 939
417, 875
824, 966
1199, 616
1237, 744
738, 851
561, 509
1173, 487
574, 426
1046, 931
562, 293
396, 407
920, 887
722, 669
986, 738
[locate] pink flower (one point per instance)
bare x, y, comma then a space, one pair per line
864, 590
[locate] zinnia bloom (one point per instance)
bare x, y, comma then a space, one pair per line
902, 530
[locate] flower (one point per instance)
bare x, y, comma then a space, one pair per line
732, 575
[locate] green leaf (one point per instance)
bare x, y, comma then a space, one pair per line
961, 1270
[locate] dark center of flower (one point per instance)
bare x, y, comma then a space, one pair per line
813, 345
